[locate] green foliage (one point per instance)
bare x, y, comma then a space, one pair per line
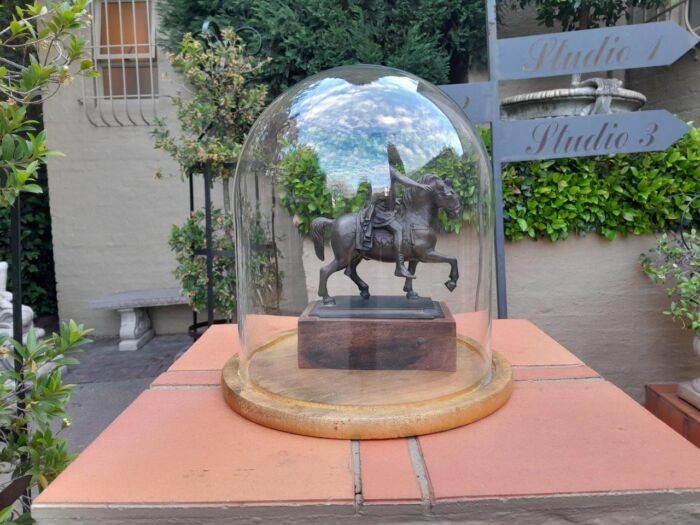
304, 192
436, 39
225, 100
38, 279
463, 175
223, 104
306, 195
191, 271
34, 397
675, 263
582, 14
609, 195
38, 45
27, 77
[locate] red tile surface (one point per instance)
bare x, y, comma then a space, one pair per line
189, 447
387, 472
211, 350
188, 378
549, 373
561, 438
523, 344
520, 341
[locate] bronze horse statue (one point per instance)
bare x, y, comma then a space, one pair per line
418, 214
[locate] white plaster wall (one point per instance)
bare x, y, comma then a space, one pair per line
675, 88
591, 296
111, 218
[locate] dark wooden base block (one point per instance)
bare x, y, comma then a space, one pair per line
377, 344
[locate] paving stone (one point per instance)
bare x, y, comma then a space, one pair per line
565, 437
188, 446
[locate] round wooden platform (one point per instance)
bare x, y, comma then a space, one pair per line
363, 404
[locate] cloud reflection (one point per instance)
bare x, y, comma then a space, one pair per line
349, 124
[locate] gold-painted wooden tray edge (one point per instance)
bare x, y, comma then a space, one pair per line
371, 422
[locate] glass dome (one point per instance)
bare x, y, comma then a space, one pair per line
364, 237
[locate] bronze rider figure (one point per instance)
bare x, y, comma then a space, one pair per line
381, 213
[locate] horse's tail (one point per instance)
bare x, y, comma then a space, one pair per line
318, 226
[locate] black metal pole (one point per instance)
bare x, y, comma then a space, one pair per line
190, 177
16, 268
209, 247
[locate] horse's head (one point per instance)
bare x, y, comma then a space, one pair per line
444, 196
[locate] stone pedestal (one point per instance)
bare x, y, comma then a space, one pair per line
135, 330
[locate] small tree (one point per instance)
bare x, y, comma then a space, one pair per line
675, 263
222, 104
37, 50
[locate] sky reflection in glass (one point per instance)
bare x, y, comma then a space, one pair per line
350, 123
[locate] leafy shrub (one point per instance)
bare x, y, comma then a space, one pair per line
610, 195
34, 399
191, 269
675, 262
305, 194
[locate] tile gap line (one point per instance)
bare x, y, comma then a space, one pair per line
357, 473
420, 470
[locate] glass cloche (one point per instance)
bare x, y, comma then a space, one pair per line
364, 236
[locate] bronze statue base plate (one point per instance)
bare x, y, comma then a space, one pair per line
363, 404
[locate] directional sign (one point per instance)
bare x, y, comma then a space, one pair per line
551, 138
474, 98
606, 49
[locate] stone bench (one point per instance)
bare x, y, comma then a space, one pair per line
135, 330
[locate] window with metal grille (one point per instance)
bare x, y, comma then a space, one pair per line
124, 50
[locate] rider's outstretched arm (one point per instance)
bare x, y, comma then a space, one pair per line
402, 179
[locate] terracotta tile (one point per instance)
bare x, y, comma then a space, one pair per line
211, 350
693, 432
670, 414
548, 373
387, 472
523, 344
188, 378
560, 438
651, 398
189, 447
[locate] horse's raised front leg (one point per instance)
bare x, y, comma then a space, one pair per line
351, 271
435, 257
408, 286
326, 272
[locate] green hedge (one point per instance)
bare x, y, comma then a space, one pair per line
438, 40
609, 195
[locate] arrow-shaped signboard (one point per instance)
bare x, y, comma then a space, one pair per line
474, 98
591, 50
551, 138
